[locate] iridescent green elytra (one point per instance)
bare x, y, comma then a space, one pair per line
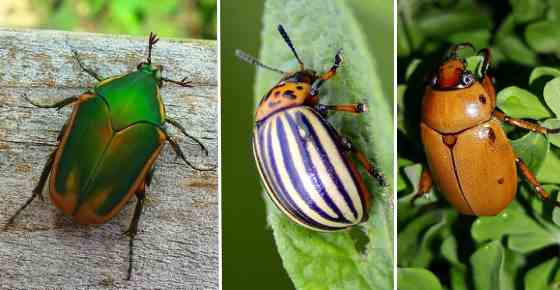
108, 147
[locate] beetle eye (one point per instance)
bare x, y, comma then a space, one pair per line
434, 81
467, 79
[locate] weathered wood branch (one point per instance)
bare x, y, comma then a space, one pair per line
177, 245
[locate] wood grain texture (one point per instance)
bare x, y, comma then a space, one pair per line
177, 245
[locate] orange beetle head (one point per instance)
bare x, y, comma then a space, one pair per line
453, 73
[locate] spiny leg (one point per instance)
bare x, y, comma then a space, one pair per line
532, 179
86, 69
182, 129
524, 124
58, 105
180, 153
366, 163
38, 190
424, 185
133, 228
328, 74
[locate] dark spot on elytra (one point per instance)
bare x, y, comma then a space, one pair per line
277, 93
450, 140
491, 135
290, 94
299, 88
501, 180
482, 99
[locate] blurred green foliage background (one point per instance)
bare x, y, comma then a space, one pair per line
169, 18
250, 258
517, 249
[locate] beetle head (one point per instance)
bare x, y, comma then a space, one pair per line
453, 73
303, 76
147, 66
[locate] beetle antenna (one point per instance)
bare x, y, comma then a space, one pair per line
153, 40
290, 44
486, 63
252, 60
454, 48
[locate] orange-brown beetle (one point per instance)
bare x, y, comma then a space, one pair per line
469, 155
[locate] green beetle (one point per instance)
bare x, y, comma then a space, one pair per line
107, 149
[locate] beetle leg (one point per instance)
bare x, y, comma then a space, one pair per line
133, 228
327, 75
182, 129
362, 158
179, 153
543, 194
352, 108
424, 185
84, 68
524, 124
150, 175
183, 82
58, 105
38, 190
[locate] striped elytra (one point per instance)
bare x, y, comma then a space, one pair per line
305, 171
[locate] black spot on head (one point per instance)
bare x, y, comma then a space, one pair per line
277, 93
492, 135
289, 94
299, 88
482, 99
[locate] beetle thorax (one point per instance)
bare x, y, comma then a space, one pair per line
292, 90
452, 111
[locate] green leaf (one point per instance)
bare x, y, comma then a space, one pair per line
416, 278
443, 24
317, 260
516, 50
553, 124
527, 10
529, 243
543, 72
552, 95
544, 36
412, 67
540, 277
449, 251
548, 173
519, 103
478, 38
532, 148
510, 221
402, 181
487, 264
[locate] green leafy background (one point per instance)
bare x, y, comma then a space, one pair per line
309, 260
517, 249
168, 18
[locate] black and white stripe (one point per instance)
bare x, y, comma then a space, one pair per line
305, 172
